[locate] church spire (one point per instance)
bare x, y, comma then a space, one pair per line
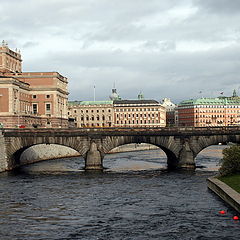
234, 93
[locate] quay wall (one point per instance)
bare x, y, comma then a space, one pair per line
225, 192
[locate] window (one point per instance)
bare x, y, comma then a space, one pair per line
34, 96
47, 96
35, 108
48, 107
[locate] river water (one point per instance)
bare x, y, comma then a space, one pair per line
134, 199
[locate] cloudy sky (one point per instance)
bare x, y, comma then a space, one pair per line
164, 48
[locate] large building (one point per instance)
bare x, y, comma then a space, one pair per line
91, 113
139, 113
117, 113
30, 99
204, 112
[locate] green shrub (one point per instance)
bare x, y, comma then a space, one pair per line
230, 162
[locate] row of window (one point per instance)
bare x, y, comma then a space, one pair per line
46, 96
47, 108
135, 109
218, 111
92, 118
136, 115
137, 122
218, 106
215, 116
92, 111
96, 125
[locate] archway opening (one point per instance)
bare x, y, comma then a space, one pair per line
49, 158
135, 157
209, 158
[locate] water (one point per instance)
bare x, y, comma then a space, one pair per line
133, 199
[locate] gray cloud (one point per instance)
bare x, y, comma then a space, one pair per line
163, 48
220, 6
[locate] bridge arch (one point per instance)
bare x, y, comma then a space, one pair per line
16, 146
206, 141
170, 147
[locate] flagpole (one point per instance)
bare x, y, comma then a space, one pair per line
94, 94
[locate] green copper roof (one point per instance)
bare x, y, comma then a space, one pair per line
90, 102
211, 101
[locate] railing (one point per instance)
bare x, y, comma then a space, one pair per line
128, 129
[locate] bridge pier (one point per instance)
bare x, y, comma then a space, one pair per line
93, 160
186, 157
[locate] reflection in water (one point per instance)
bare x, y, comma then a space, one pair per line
57, 200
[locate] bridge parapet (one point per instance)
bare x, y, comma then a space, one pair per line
181, 145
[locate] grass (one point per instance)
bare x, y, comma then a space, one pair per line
232, 181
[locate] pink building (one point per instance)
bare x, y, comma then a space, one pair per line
30, 98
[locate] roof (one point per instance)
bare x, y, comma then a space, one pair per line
211, 101
141, 101
90, 103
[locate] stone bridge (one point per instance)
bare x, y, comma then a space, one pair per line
181, 145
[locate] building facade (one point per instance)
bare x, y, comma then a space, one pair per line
30, 99
139, 113
91, 113
170, 112
117, 113
204, 112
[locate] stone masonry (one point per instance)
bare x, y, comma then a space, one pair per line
181, 145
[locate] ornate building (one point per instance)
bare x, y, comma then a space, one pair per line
139, 113
204, 112
30, 99
91, 113
117, 113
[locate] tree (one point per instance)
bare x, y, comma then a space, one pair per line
230, 162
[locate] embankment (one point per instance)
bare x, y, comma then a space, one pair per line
225, 192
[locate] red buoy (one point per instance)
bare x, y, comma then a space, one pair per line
222, 212
235, 218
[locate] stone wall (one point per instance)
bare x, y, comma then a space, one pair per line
225, 192
3, 158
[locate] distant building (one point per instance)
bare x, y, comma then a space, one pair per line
139, 113
91, 113
204, 112
117, 113
30, 98
170, 111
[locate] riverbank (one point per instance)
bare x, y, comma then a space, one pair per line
233, 181
224, 191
